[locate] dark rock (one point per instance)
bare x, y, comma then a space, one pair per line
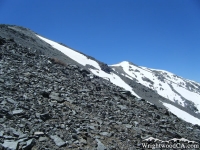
58, 141
65, 71
4, 110
2, 41
29, 144
74, 136
45, 94
84, 71
45, 116
1, 147
105, 67
196, 126
174, 134
125, 92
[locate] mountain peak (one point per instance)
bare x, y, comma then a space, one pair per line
124, 63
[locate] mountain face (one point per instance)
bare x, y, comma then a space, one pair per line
53, 97
179, 91
180, 96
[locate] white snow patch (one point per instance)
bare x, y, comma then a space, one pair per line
191, 96
80, 58
115, 79
182, 114
128, 77
166, 92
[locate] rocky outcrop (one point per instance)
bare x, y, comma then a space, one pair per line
46, 105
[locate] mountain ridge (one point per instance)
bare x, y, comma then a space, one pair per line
145, 69
48, 104
158, 75
106, 71
189, 106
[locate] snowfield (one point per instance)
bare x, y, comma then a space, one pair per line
80, 58
182, 114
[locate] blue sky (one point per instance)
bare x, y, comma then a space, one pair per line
160, 34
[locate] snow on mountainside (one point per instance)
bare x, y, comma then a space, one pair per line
182, 114
166, 84
183, 92
178, 90
48, 92
80, 58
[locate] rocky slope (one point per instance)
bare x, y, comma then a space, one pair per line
161, 88
46, 103
156, 86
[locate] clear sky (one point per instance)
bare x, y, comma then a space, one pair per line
159, 34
